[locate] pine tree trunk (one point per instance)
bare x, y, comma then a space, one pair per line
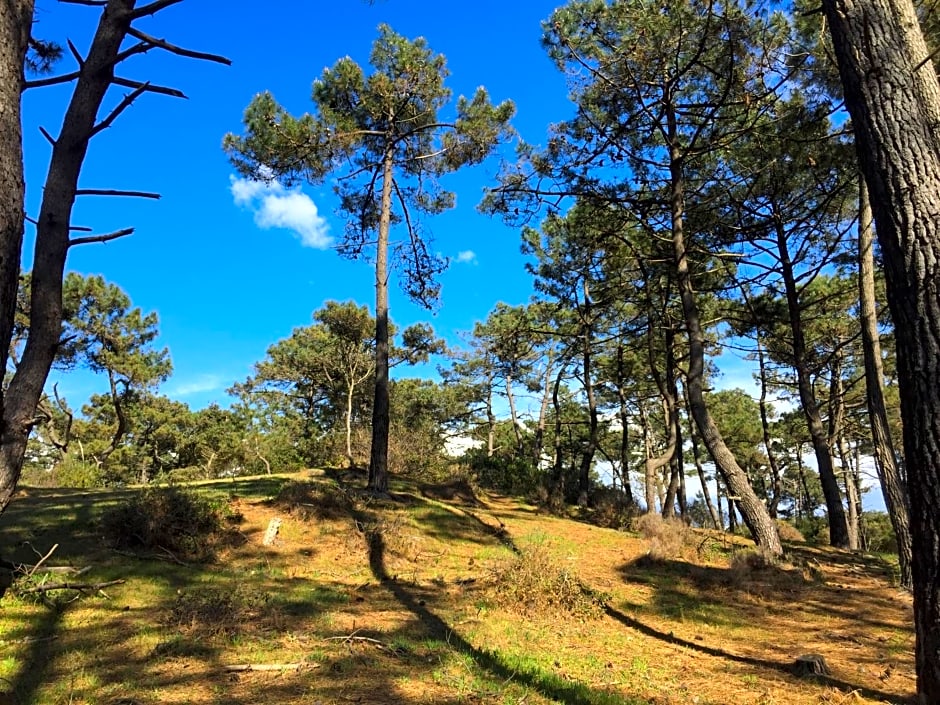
753, 511
378, 462
886, 464
838, 525
892, 94
55, 215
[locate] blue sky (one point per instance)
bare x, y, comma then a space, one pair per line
231, 270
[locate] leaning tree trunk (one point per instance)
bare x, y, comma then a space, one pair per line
753, 511
52, 233
15, 24
893, 97
838, 524
378, 460
886, 461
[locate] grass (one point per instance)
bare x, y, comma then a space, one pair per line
392, 602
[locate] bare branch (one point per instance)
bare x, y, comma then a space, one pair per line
115, 192
75, 53
152, 8
47, 135
120, 108
52, 80
163, 44
148, 87
100, 238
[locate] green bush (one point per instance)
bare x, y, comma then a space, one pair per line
168, 520
73, 472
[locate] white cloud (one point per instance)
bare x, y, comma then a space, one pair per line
199, 385
276, 207
467, 257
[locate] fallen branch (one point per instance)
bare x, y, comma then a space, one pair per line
242, 667
81, 587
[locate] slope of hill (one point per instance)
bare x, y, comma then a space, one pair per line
437, 595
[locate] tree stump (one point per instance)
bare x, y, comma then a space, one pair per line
809, 665
271, 533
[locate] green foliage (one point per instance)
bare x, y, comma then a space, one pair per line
878, 533
74, 472
363, 122
166, 519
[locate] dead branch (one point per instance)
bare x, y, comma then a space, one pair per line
75, 53
46, 134
116, 192
42, 560
349, 638
148, 87
119, 108
52, 80
80, 587
152, 8
100, 238
242, 667
174, 49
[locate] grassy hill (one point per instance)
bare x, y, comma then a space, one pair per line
438, 595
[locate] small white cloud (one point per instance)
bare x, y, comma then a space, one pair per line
200, 385
467, 257
276, 207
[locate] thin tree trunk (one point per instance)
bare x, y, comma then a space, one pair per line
378, 462
624, 427
838, 525
350, 391
773, 497
697, 459
512, 415
886, 464
539, 440
755, 515
590, 448
837, 439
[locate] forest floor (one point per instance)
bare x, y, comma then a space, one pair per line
432, 596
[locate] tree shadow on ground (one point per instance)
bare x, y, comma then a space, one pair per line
720, 596
545, 683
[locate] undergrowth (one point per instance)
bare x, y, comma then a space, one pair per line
169, 520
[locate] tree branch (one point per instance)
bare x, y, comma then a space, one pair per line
115, 192
46, 134
100, 238
52, 80
152, 8
75, 53
120, 108
148, 87
172, 48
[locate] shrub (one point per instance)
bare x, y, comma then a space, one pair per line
788, 532
73, 472
166, 519
668, 538
320, 500
612, 509
533, 582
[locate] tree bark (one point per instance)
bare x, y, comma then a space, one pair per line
753, 511
886, 462
838, 524
15, 23
378, 461
52, 238
893, 97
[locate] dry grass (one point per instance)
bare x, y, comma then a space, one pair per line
534, 582
397, 608
668, 538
